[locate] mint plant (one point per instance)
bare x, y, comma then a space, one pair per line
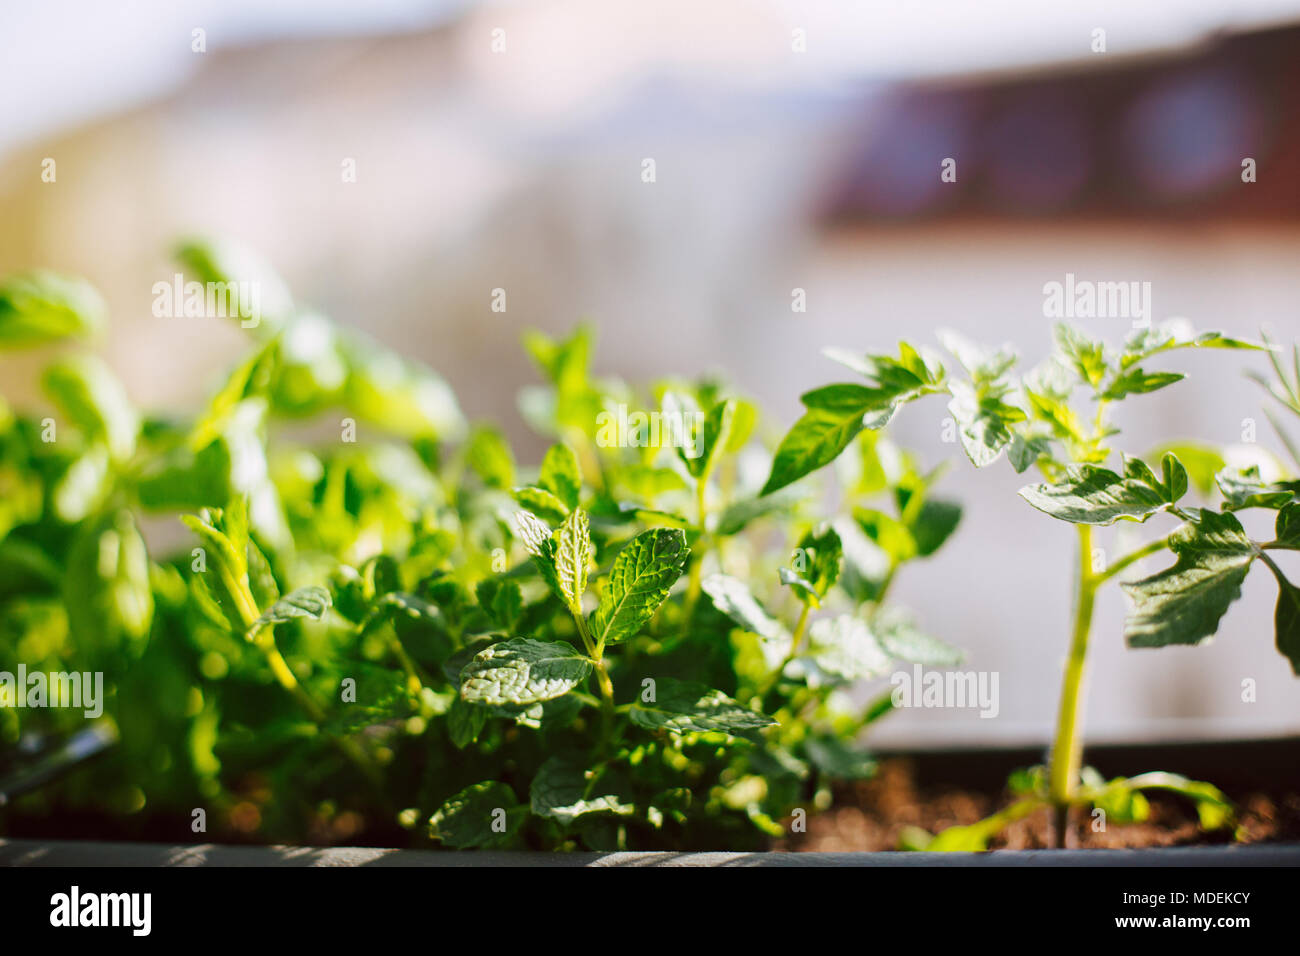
1058, 418
402, 627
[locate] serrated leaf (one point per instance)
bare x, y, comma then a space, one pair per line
562, 792
572, 559
1095, 496
685, 707
983, 423
561, 475
642, 575
1243, 488
311, 602
540, 501
1286, 529
1184, 603
520, 672
469, 819
732, 597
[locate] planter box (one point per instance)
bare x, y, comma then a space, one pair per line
82, 854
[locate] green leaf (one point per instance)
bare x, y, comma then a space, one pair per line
465, 722
893, 537
732, 597
685, 707
816, 563
572, 559
1143, 343
1183, 604
841, 649
489, 455
639, 581
1202, 462
1137, 382
714, 437
1096, 496
1286, 620
41, 307
984, 422
1286, 529
540, 501
310, 602
93, 399
478, 816
1086, 356
1243, 488
815, 441
901, 640
838, 761
935, 523
561, 476
562, 792
520, 671
185, 480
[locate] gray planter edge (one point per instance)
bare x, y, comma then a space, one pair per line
76, 853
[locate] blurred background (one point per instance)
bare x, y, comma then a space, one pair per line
795, 146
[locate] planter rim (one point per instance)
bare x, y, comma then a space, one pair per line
75, 853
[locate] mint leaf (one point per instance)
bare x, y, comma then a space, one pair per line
841, 649
1096, 496
713, 438
562, 792
733, 598
478, 816
520, 671
685, 707
489, 455
1184, 603
639, 581
572, 555
310, 602
561, 476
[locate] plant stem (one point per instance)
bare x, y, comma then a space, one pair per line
1066, 748
1147, 549
596, 651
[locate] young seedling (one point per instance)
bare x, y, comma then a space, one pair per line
572, 655
1039, 420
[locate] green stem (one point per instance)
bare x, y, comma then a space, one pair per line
1128, 559
1066, 748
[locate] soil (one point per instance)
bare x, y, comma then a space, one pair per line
871, 814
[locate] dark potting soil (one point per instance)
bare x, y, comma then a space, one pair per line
871, 815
